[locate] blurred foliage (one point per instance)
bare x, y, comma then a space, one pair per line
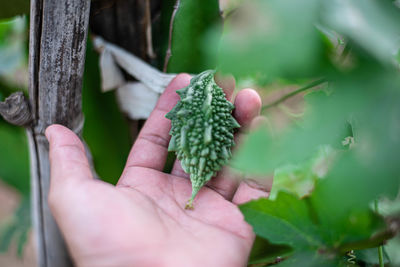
392, 248
288, 220
300, 178
370, 25
389, 207
272, 39
105, 130
263, 252
14, 154
13, 8
311, 259
17, 228
14, 157
167, 8
322, 213
370, 256
13, 47
190, 23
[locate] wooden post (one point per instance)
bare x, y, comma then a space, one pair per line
57, 46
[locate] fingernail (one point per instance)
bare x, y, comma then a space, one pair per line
258, 122
47, 134
265, 186
225, 81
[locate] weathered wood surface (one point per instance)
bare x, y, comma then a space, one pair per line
15, 109
57, 46
126, 23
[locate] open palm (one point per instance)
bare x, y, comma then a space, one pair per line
142, 221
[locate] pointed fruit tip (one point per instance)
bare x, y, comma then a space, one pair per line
189, 205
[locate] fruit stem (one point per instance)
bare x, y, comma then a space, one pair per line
195, 190
189, 204
380, 248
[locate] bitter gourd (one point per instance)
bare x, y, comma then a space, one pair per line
202, 130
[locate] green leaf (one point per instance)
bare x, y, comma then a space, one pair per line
367, 171
392, 249
298, 223
336, 216
388, 207
311, 259
191, 22
21, 241
13, 47
250, 158
350, 98
14, 8
323, 124
370, 25
283, 221
370, 256
275, 38
299, 179
266, 253
14, 157
105, 129
17, 228
7, 235
367, 98
228, 7
341, 200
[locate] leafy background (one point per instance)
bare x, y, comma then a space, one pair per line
323, 217
333, 148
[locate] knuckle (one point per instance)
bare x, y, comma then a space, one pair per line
155, 138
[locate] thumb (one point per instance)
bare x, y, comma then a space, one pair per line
68, 161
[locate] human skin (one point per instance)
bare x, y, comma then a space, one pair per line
142, 221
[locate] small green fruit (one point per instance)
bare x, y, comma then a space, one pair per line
202, 130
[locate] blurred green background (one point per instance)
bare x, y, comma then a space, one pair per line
333, 148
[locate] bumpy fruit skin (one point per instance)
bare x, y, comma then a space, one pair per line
202, 130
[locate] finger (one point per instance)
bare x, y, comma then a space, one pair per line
248, 106
227, 83
249, 190
68, 161
177, 170
258, 122
150, 148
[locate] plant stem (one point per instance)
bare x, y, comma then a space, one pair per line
380, 248
168, 53
380, 252
295, 92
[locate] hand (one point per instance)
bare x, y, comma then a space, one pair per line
142, 221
